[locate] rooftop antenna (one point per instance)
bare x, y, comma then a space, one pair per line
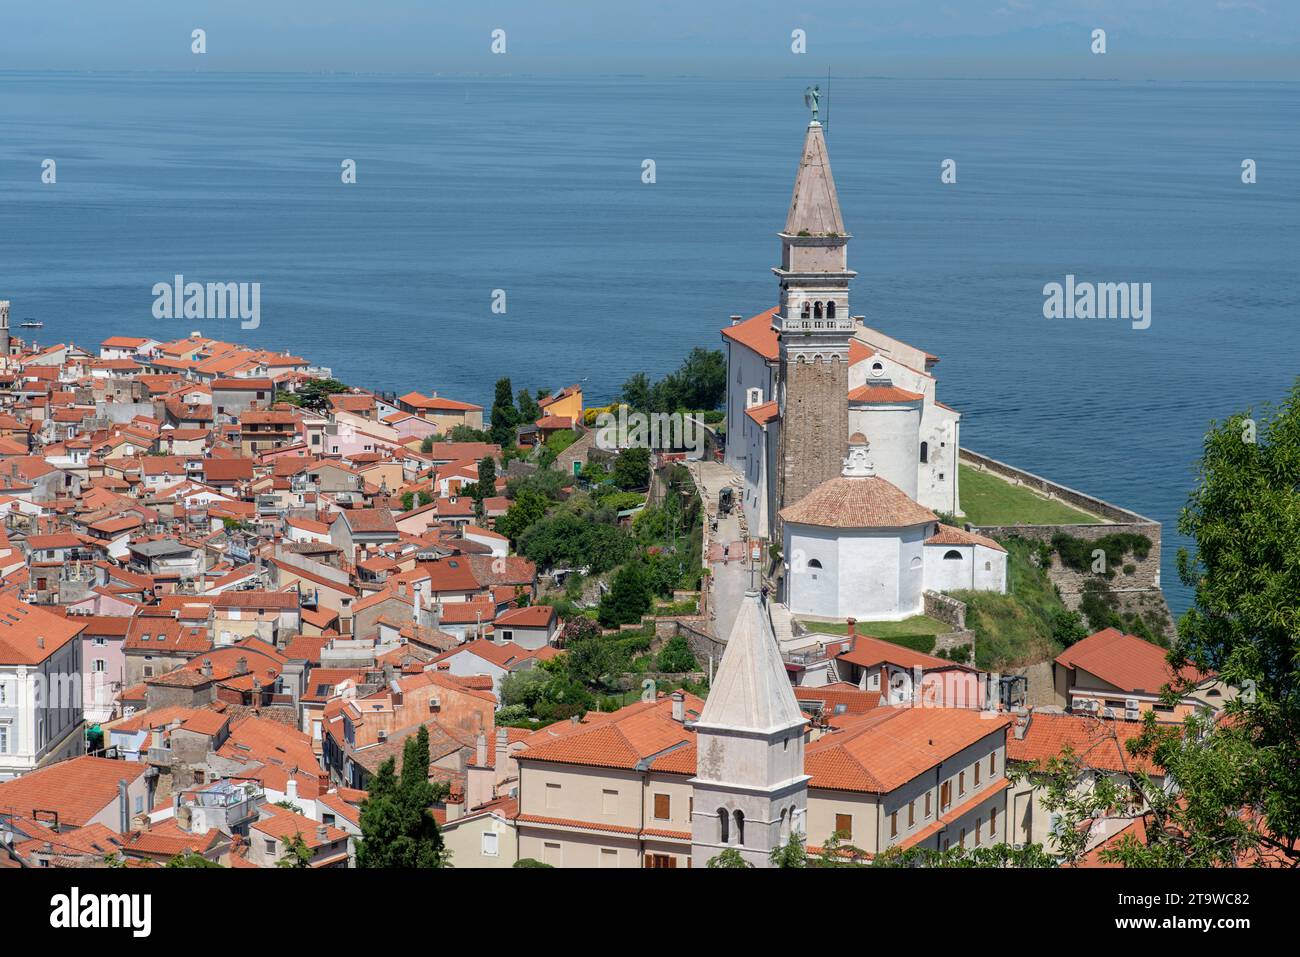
827, 130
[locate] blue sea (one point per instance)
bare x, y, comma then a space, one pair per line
534, 186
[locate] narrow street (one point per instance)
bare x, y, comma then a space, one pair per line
728, 553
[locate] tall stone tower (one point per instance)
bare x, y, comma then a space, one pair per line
4, 327
813, 328
749, 791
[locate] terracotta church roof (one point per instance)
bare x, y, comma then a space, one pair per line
860, 501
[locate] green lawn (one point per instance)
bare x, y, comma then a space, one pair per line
916, 633
988, 500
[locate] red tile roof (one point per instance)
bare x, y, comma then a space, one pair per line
626, 738
756, 334
1101, 743
1125, 661
77, 789
29, 635
857, 502
885, 748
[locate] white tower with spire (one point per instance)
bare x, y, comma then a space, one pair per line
750, 791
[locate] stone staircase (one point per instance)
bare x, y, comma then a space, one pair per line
782, 621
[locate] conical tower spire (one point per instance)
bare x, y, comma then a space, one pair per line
751, 691
814, 207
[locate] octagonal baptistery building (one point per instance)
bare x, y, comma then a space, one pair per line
854, 547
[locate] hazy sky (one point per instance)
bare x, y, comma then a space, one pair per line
1166, 39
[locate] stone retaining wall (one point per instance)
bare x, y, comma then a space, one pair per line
943, 608
1139, 591
956, 639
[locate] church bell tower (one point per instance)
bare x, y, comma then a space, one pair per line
813, 329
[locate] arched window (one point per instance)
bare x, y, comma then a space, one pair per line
830, 309
925, 451
806, 312
724, 836
785, 824
952, 555
817, 310
814, 563
740, 828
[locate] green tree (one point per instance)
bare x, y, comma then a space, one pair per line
790, 854
426, 444
529, 410
530, 862
397, 827
1067, 628
313, 394
1236, 779
730, 858
296, 853
676, 656
628, 598
527, 509
637, 392
486, 486
994, 855
190, 859
632, 468
466, 433
505, 417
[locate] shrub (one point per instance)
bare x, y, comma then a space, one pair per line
676, 656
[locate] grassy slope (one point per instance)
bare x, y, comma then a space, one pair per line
988, 500
916, 633
1015, 628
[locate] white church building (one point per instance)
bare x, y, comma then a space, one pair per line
858, 546
867, 543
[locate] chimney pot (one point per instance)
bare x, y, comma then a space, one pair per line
322, 833
853, 627
679, 707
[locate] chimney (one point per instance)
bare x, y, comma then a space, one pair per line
853, 627
322, 833
123, 807
735, 319
679, 707
40, 643
1021, 726
503, 754
480, 750
291, 789
241, 665
206, 668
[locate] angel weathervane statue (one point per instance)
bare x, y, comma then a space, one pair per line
811, 97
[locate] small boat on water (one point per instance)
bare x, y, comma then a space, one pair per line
32, 324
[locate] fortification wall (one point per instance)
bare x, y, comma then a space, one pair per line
1135, 590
